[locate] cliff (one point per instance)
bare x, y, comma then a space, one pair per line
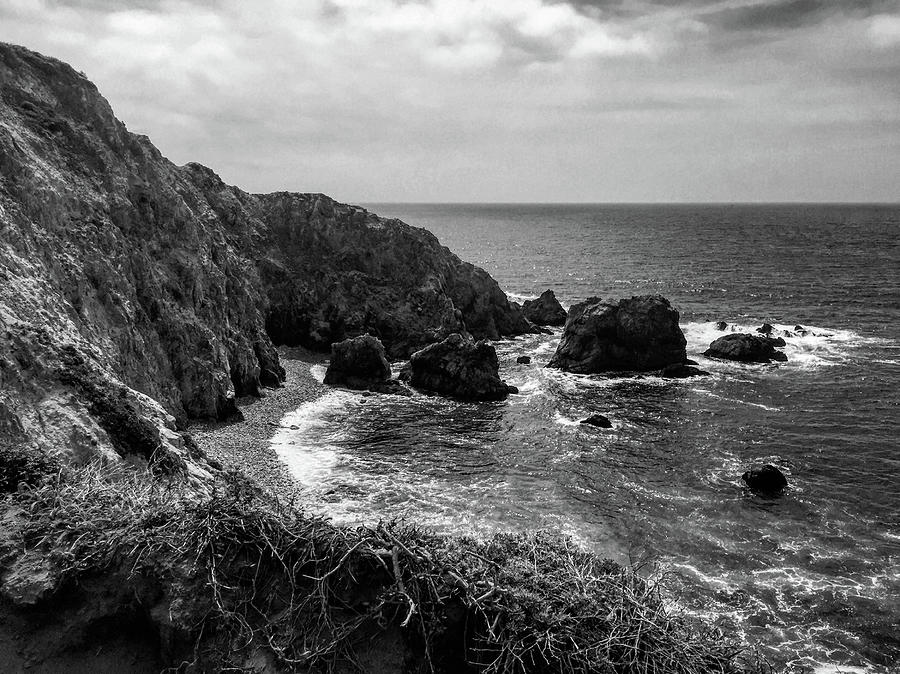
135, 293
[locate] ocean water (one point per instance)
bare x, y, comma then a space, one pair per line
813, 577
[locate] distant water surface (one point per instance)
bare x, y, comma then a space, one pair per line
814, 576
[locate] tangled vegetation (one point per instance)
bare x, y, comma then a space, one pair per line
242, 574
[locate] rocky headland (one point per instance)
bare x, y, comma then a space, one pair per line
164, 292
136, 296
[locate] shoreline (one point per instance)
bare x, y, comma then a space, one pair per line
245, 445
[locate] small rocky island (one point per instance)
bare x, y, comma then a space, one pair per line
136, 296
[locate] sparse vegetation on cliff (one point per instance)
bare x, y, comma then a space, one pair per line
237, 581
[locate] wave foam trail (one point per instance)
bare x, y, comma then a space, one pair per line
810, 348
306, 439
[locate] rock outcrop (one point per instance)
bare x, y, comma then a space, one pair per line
545, 310
174, 288
458, 367
636, 334
745, 348
360, 363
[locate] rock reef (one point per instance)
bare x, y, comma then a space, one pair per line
746, 348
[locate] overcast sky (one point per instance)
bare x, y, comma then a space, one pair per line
501, 100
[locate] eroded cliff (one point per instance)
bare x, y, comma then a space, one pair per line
166, 290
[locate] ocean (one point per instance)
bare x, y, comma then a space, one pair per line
813, 577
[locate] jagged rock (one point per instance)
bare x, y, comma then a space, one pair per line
765, 329
178, 286
597, 420
639, 334
545, 310
721, 325
360, 363
682, 371
745, 348
460, 368
765, 479
524, 360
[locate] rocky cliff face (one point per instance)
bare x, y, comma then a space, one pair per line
166, 290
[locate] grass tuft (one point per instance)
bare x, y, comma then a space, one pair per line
243, 573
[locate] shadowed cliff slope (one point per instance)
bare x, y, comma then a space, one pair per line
126, 280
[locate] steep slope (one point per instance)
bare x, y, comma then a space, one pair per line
134, 291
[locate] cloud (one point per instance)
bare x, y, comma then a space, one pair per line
485, 100
884, 30
788, 14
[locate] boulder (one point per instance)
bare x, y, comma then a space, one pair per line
597, 420
744, 348
681, 371
545, 310
765, 329
637, 334
360, 363
765, 479
524, 360
458, 367
721, 325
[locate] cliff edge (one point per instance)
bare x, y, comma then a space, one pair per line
135, 293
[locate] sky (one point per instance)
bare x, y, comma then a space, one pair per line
501, 100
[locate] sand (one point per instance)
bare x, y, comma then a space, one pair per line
245, 445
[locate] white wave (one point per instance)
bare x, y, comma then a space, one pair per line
532, 385
305, 439
811, 348
735, 401
564, 420
318, 372
516, 297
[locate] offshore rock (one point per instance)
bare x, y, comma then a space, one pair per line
523, 360
636, 334
173, 287
765, 479
545, 310
460, 368
597, 420
745, 348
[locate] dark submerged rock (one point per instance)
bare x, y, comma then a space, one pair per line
765, 329
458, 367
545, 310
765, 479
682, 371
524, 360
744, 348
597, 420
721, 325
638, 334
